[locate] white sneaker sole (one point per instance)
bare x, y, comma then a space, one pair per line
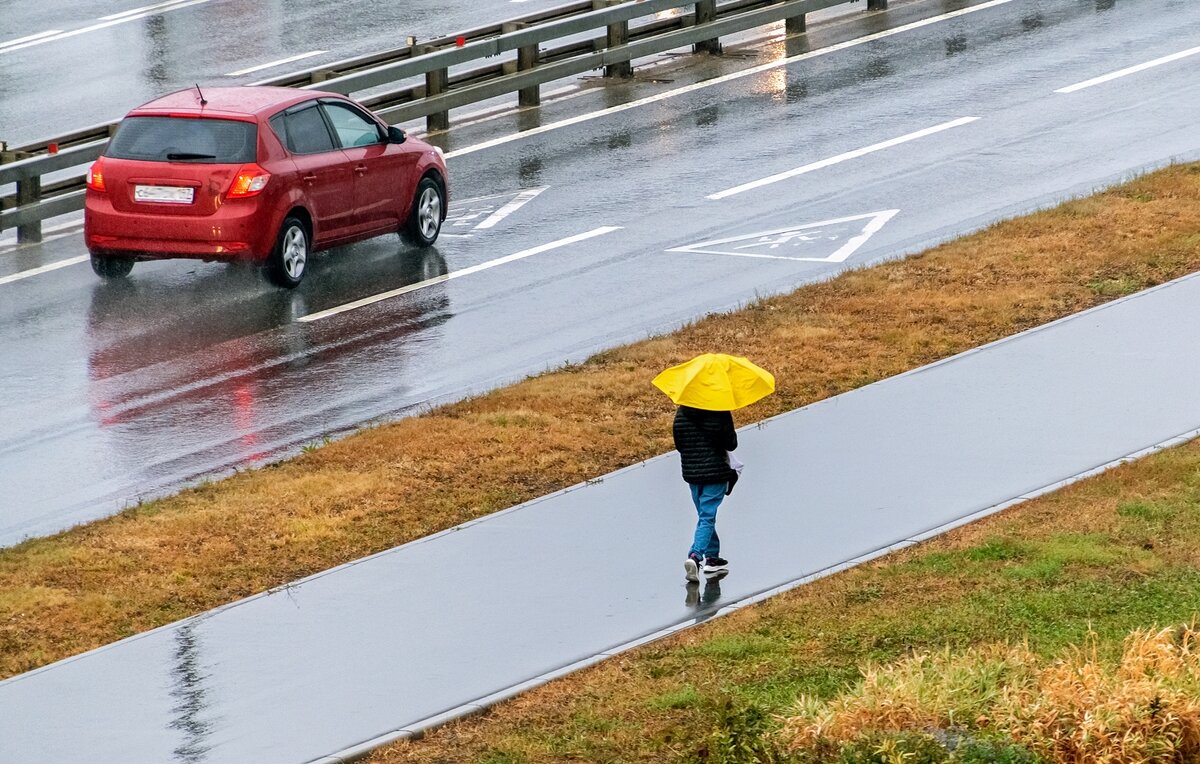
716, 570
691, 570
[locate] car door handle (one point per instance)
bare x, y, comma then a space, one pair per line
361, 169
310, 178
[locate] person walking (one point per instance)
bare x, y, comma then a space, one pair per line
704, 440
706, 389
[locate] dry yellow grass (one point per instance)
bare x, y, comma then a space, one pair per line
1076, 710
398, 482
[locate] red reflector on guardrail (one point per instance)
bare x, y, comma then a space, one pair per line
460, 41
52, 148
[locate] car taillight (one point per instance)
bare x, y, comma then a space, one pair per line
249, 181
95, 176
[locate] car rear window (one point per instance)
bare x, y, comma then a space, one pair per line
180, 139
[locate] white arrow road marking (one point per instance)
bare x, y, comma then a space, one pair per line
517, 203
1129, 70
458, 274
843, 157
795, 236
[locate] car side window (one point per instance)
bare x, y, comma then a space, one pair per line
278, 124
306, 131
352, 128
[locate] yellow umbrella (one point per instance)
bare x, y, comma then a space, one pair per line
716, 382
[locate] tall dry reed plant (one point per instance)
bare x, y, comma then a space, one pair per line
1079, 709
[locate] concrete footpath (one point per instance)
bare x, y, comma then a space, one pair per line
342, 661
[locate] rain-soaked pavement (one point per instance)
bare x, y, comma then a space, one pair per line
700, 196
346, 659
64, 66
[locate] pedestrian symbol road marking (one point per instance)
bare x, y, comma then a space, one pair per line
826, 241
483, 212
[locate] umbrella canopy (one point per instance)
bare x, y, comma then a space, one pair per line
716, 382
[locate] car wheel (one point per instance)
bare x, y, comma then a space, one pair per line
428, 209
285, 266
111, 267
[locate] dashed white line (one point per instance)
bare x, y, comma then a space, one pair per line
121, 19
458, 274
43, 269
280, 62
724, 78
842, 157
1129, 70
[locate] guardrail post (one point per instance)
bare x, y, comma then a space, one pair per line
618, 34
794, 25
527, 58
29, 191
706, 11
876, 5
435, 83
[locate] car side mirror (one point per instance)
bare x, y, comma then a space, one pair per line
396, 135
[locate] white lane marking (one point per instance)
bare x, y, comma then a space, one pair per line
801, 238
723, 79
43, 269
842, 157
143, 9
30, 38
103, 25
458, 274
517, 203
280, 62
1129, 70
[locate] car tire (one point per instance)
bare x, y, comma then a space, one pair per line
428, 211
111, 267
289, 258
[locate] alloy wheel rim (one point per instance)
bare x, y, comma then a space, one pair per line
429, 212
295, 252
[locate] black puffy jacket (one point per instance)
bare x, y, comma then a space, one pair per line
702, 438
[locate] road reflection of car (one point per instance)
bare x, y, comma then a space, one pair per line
257, 174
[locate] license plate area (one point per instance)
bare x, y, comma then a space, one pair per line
164, 194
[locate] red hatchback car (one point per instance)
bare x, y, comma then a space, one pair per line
260, 174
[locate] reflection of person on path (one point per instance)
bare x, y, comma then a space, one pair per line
703, 439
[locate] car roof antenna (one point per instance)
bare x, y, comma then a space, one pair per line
203, 100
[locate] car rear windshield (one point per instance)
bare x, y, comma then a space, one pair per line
180, 139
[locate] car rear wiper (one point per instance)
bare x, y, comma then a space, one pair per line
189, 155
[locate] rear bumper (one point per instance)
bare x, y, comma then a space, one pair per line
240, 231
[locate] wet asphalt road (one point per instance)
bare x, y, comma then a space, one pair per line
115, 391
64, 66
325, 668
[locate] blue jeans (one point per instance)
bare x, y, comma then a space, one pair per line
707, 498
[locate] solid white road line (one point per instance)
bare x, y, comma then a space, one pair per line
724, 78
1129, 70
30, 38
280, 62
842, 157
104, 25
43, 269
156, 7
458, 274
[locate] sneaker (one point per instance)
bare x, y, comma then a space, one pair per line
715, 566
691, 568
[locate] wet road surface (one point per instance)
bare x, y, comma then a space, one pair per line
441, 626
696, 196
64, 66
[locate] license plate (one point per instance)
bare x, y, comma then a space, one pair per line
166, 194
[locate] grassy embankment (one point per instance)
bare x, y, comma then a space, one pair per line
207, 546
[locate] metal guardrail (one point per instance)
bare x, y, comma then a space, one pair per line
424, 86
